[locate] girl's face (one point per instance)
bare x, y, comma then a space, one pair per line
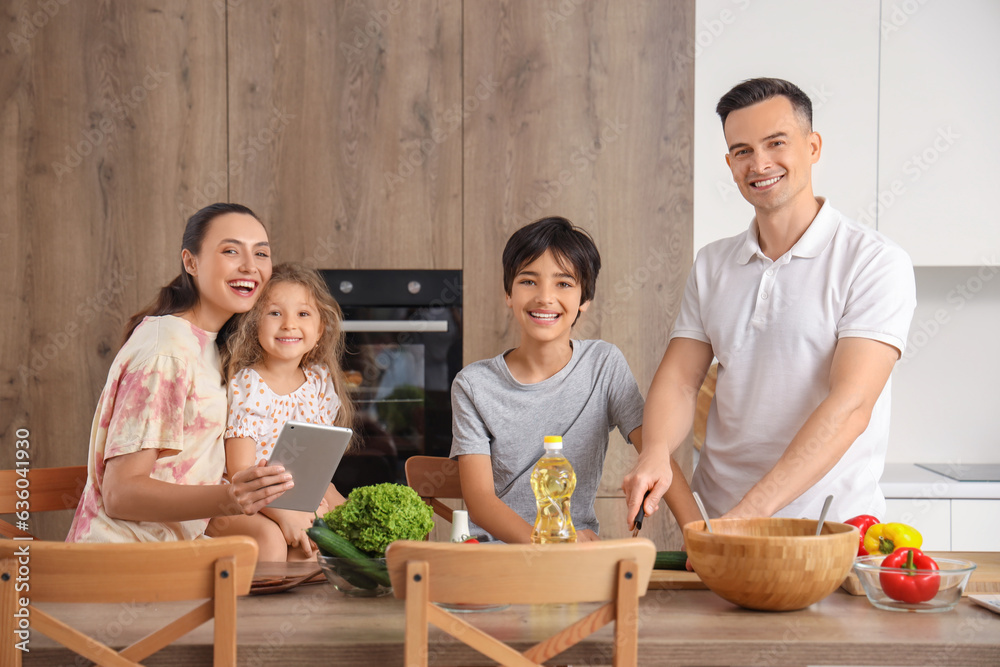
291, 325
233, 264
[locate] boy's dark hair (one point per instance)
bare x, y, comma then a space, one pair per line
572, 246
754, 91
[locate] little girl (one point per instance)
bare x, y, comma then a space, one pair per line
284, 363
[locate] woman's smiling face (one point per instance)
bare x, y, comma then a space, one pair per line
233, 264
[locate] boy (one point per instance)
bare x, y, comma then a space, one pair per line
548, 385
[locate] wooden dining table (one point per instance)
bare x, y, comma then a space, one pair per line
318, 625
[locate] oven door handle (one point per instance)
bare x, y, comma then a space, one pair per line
395, 326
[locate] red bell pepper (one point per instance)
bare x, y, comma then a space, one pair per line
862, 523
906, 585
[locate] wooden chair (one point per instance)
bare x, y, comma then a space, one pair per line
615, 571
48, 489
219, 569
703, 404
434, 477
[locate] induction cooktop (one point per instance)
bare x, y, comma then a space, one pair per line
969, 472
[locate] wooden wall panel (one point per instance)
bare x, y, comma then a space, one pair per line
582, 110
343, 133
110, 114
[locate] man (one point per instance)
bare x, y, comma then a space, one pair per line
807, 312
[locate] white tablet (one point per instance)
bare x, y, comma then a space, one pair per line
311, 453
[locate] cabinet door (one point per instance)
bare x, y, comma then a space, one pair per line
974, 525
829, 50
931, 517
938, 99
345, 129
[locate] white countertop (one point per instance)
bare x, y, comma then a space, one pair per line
907, 480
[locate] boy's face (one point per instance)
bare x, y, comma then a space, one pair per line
545, 300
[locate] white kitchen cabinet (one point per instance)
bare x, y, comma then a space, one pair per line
937, 157
975, 525
932, 517
830, 50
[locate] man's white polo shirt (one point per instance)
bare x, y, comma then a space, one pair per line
773, 327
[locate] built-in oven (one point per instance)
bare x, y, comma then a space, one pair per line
404, 348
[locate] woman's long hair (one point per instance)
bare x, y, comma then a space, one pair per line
181, 294
243, 348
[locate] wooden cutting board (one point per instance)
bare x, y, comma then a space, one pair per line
676, 580
985, 578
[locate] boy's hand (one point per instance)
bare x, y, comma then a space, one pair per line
649, 474
587, 535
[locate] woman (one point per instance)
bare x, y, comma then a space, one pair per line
156, 447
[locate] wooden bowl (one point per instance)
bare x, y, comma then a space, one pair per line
771, 564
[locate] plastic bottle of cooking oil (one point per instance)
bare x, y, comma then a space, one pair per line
553, 482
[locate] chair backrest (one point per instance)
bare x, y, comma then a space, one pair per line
434, 477
219, 569
703, 404
613, 571
48, 489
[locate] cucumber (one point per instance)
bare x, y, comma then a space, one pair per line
366, 573
670, 560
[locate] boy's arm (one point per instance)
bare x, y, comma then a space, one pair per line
679, 498
485, 509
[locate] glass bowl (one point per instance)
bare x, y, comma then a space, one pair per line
356, 579
953, 573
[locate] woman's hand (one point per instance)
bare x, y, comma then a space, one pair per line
257, 486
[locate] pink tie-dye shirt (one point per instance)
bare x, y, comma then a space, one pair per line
164, 391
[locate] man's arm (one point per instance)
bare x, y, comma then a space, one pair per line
667, 420
860, 369
679, 498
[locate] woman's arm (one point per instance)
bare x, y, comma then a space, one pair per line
130, 493
485, 509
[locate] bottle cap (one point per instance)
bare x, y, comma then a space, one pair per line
553, 442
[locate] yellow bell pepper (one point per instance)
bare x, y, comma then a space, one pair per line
884, 538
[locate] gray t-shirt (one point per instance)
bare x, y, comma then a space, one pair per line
494, 414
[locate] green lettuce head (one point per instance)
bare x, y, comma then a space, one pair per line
374, 516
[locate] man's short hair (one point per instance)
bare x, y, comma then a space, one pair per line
572, 247
754, 91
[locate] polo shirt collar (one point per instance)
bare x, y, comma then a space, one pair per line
816, 237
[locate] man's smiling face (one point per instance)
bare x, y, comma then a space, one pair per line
771, 153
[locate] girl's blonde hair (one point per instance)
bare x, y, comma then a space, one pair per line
243, 349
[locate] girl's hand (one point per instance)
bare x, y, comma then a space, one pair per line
293, 527
257, 486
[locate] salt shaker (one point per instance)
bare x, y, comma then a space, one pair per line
459, 526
